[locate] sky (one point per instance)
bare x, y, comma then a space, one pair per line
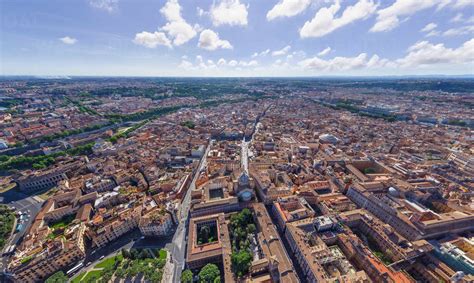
236, 37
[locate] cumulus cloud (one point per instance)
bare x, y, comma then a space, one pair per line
324, 52
68, 40
287, 8
458, 4
151, 40
425, 53
261, 54
200, 11
282, 51
251, 63
458, 18
337, 64
422, 54
325, 20
175, 32
106, 5
429, 27
176, 28
459, 31
229, 12
202, 64
185, 64
210, 40
389, 18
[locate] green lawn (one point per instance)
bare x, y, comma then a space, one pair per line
92, 274
78, 278
109, 262
62, 223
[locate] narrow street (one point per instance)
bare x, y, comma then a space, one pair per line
177, 247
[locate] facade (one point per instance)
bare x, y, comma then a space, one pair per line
42, 181
156, 224
39, 264
289, 209
102, 232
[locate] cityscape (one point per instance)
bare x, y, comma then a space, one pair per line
258, 180
237, 141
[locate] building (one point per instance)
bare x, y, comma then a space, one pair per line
275, 259
102, 231
319, 256
198, 253
214, 196
156, 223
39, 263
291, 208
41, 181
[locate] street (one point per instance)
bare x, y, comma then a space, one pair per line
178, 246
29, 206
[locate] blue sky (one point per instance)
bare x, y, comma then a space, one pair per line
236, 37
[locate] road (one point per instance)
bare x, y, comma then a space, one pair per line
178, 246
27, 205
244, 157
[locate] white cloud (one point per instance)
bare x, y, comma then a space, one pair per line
425, 53
462, 3
432, 33
282, 51
151, 40
261, 54
325, 22
422, 54
324, 52
107, 5
229, 12
389, 17
251, 63
222, 64
175, 32
458, 18
210, 40
233, 63
68, 40
177, 28
429, 27
342, 64
185, 64
287, 8
459, 31
200, 11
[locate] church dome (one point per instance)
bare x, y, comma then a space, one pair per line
244, 180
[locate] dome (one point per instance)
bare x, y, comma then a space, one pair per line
246, 195
393, 192
328, 138
244, 179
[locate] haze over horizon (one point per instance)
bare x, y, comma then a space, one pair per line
237, 38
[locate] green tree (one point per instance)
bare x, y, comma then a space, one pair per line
126, 253
251, 228
205, 231
58, 277
187, 276
209, 273
241, 262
